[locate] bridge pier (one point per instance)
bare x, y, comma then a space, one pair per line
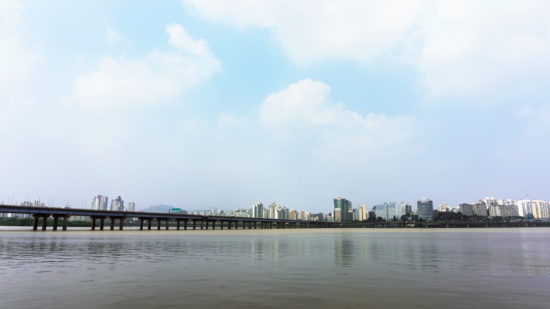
194, 225
141, 224
44, 222
201, 224
65, 221
185, 224
55, 222
158, 224
112, 223
120, 224
35, 225
206, 224
93, 224
101, 223
221, 224
178, 224
149, 224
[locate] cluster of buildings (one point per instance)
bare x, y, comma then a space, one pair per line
343, 211
258, 210
489, 207
100, 202
493, 207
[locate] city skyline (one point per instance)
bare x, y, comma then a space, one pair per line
343, 210
207, 103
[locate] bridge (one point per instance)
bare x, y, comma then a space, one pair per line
98, 218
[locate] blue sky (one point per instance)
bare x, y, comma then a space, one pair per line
218, 104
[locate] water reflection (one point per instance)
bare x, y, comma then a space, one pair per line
343, 250
274, 269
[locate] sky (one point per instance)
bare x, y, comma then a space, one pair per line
220, 104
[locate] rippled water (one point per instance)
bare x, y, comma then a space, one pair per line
276, 268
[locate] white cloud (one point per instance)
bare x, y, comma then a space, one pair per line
305, 112
484, 50
112, 36
160, 76
18, 60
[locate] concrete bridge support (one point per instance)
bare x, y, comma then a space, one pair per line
55, 222
120, 224
221, 224
178, 224
185, 225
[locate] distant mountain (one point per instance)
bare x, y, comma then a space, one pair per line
158, 208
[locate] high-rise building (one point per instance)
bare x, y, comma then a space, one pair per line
480, 209
100, 202
258, 210
466, 209
342, 210
406, 209
363, 214
388, 211
443, 207
117, 204
425, 209
131, 206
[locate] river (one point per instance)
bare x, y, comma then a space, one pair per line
309, 268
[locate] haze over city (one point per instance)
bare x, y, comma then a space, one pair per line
207, 105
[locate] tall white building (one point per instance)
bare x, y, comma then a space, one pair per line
100, 202
363, 213
258, 210
131, 206
117, 204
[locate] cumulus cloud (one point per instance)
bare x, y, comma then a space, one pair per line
469, 49
157, 77
305, 111
18, 59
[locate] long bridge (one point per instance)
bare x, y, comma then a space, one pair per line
98, 218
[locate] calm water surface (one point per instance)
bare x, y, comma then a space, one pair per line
462, 268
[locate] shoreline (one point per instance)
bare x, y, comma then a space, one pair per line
86, 231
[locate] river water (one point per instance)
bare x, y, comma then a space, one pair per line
325, 268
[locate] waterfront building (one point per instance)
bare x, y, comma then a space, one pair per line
100, 202
387, 211
425, 209
480, 209
541, 209
258, 210
466, 209
442, 207
503, 211
117, 204
131, 206
342, 210
405, 208
363, 214
293, 215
